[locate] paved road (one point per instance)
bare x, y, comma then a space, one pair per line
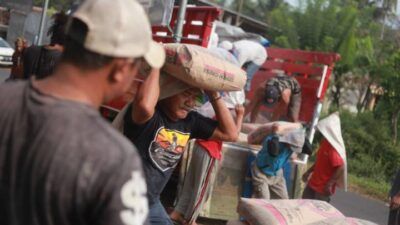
4, 73
353, 205
350, 204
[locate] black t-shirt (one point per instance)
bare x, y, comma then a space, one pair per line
161, 143
62, 164
40, 61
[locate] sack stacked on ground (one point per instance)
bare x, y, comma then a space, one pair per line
293, 212
200, 68
344, 221
289, 212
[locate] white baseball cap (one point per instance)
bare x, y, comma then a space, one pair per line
119, 28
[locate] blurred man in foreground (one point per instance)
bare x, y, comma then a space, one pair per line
61, 162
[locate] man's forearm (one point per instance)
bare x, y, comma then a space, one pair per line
338, 172
254, 113
239, 122
226, 124
147, 96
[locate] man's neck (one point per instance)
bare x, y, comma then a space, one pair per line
165, 110
70, 83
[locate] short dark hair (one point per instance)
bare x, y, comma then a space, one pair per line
74, 51
57, 29
271, 95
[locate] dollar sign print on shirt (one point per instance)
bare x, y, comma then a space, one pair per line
133, 196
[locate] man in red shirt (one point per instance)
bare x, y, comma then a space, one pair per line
325, 173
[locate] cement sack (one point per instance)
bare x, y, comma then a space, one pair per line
288, 212
236, 222
344, 221
200, 68
257, 136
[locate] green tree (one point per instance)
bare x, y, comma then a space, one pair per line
391, 83
56, 4
257, 9
321, 25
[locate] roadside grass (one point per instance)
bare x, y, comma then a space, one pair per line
369, 187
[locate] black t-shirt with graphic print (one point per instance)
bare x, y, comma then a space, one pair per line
161, 143
61, 163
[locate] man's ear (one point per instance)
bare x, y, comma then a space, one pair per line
120, 68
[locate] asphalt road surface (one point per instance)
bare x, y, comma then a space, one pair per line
354, 205
4, 74
350, 204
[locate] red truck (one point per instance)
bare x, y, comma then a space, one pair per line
311, 69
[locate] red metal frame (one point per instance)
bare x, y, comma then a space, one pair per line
307, 67
196, 29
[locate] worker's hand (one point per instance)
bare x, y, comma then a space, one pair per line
306, 176
328, 189
395, 202
239, 110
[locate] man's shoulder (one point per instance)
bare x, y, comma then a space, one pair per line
12, 89
32, 50
106, 136
98, 137
13, 85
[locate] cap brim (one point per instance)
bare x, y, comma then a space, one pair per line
155, 57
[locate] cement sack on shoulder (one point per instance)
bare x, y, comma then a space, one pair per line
198, 67
288, 212
257, 136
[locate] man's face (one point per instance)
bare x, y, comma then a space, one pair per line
178, 106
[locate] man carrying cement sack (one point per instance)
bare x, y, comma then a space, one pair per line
283, 93
206, 156
267, 173
161, 128
330, 168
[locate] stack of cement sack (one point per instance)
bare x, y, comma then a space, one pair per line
292, 212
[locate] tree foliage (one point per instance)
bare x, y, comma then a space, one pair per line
390, 103
369, 149
56, 4
258, 9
